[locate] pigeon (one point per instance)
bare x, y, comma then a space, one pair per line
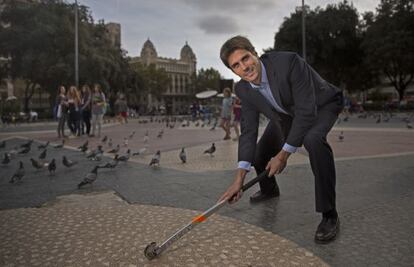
27, 144
67, 162
214, 126
409, 126
183, 156
43, 146
36, 164
13, 152
379, 119
160, 134
132, 135
146, 137
84, 147
110, 165
125, 141
346, 118
6, 159
110, 142
24, 150
104, 139
18, 175
341, 137
43, 154
156, 159
115, 150
96, 154
61, 144
90, 177
211, 150
3, 144
52, 167
125, 158
139, 152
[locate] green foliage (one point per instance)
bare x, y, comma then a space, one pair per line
389, 42
149, 79
39, 41
207, 79
333, 38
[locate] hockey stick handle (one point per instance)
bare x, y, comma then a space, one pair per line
250, 183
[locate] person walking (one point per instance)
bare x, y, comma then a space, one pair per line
236, 117
301, 108
98, 109
121, 109
226, 108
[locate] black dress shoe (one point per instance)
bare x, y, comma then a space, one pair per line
259, 196
327, 230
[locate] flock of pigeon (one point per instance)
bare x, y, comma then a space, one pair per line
40, 163
383, 117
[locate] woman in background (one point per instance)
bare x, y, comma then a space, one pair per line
86, 108
98, 109
226, 109
62, 110
74, 107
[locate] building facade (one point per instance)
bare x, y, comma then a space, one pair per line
114, 33
178, 95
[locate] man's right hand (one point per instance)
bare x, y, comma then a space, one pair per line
233, 192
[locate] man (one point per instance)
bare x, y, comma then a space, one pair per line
301, 107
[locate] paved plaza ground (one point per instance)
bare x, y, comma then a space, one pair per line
46, 221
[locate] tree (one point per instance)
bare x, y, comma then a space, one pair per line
389, 42
39, 42
151, 79
207, 79
333, 40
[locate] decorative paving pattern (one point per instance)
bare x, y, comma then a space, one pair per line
101, 230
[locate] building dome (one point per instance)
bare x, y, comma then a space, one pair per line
187, 53
148, 50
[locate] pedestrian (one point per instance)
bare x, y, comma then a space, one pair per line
236, 117
86, 108
98, 109
121, 109
301, 108
226, 109
73, 110
62, 111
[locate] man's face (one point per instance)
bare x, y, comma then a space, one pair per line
246, 65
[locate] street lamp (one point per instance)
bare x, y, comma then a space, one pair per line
303, 30
76, 46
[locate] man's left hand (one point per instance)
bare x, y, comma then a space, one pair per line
277, 163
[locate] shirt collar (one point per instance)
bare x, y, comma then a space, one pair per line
264, 81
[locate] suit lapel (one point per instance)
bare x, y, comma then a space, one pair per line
261, 103
272, 78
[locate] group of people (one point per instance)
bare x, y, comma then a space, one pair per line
77, 108
231, 108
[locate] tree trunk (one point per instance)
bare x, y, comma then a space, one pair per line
28, 93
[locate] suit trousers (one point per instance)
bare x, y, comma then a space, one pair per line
320, 156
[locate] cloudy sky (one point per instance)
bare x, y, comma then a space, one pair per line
204, 24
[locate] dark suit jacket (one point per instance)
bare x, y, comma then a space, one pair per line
297, 88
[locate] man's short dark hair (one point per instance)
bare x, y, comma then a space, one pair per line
232, 44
